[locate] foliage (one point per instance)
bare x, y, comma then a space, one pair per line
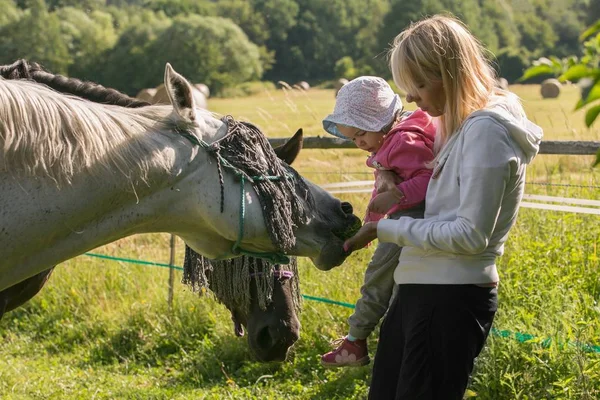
223, 55
10, 12
87, 36
585, 70
247, 89
295, 39
173, 8
511, 63
320, 38
344, 68
126, 64
36, 35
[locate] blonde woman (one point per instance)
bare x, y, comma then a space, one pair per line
446, 275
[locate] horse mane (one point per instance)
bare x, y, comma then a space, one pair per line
23, 69
46, 133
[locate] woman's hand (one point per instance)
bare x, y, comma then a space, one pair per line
382, 203
365, 235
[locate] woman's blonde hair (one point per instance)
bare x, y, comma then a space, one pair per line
441, 48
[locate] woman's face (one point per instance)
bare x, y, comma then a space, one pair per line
430, 97
367, 141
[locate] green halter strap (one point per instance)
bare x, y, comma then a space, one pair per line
272, 257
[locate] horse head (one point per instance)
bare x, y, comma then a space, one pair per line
263, 298
284, 213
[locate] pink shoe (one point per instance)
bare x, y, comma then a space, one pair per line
347, 354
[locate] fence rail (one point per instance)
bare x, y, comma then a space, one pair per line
566, 147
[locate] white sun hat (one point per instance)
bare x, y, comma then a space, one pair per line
367, 103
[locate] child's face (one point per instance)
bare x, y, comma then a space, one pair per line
367, 141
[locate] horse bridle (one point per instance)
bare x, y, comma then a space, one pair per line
279, 274
272, 257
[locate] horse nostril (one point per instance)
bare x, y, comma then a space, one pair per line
264, 339
347, 207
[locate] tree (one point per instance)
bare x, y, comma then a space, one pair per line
344, 68
401, 14
592, 12
128, 17
279, 15
500, 18
87, 36
125, 65
252, 22
172, 8
512, 62
584, 69
537, 35
324, 32
10, 12
211, 50
35, 36
86, 5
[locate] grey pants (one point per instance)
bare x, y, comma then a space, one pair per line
378, 287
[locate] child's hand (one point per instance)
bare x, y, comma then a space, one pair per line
386, 181
382, 203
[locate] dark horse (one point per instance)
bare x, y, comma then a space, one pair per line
262, 297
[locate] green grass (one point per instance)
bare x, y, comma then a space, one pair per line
102, 329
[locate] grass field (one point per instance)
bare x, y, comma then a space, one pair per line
102, 329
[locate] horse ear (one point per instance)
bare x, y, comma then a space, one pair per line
289, 151
180, 94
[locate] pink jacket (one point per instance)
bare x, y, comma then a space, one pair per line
406, 150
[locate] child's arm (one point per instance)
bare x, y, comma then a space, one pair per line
386, 181
411, 156
373, 215
384, 202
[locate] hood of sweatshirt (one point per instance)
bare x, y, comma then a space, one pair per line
508, 111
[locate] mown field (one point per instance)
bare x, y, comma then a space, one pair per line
102, 329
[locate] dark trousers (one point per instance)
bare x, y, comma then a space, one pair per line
429, 340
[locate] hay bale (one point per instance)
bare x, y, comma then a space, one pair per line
146, 95
200, 99
284, 85
203, 88
161, 96
303, 85
338, 84
502, 83
550, 88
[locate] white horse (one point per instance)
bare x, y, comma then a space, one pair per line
75, 175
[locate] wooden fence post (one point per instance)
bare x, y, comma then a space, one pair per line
171, 271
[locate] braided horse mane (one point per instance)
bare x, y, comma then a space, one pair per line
23, 69
229, 280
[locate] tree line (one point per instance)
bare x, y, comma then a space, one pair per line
223, 43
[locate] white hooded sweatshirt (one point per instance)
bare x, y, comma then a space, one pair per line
472, 200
